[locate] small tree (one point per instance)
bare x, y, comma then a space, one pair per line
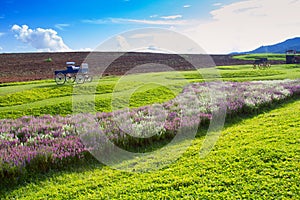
48, 60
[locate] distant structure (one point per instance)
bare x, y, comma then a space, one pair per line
261, 63
292, 57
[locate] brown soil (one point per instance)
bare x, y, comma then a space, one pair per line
17, 67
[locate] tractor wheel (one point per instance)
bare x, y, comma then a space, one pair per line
79, 79
60, 78
70, 78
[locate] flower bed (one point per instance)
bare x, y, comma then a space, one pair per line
35, 142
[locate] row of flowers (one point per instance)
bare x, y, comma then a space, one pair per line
51, 139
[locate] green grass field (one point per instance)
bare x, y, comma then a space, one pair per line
280, 57
256, 157
45, 97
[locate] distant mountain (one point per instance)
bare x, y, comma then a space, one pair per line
282, 47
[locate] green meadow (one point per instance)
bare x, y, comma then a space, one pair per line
256, 157
45, 97
270, 56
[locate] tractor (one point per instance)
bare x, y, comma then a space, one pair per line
262, 63
72, 73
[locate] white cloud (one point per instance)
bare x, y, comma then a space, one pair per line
61, 26
81, 49
137, 21
153, 49
96, 21
150, 40
217, 4
1, 48
153, 16
141, 36
85, 49
1, 34
172, 17
41, 39
246, 25
122, 43
157, 22
187, 6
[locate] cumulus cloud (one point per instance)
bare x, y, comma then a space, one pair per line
246, 25
187, 6
41, 39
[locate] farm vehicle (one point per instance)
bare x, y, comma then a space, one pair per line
292, 57
72, 73
262, 63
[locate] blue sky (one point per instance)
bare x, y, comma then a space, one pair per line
218, 26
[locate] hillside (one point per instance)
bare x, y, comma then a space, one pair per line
282, 47
34, 66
